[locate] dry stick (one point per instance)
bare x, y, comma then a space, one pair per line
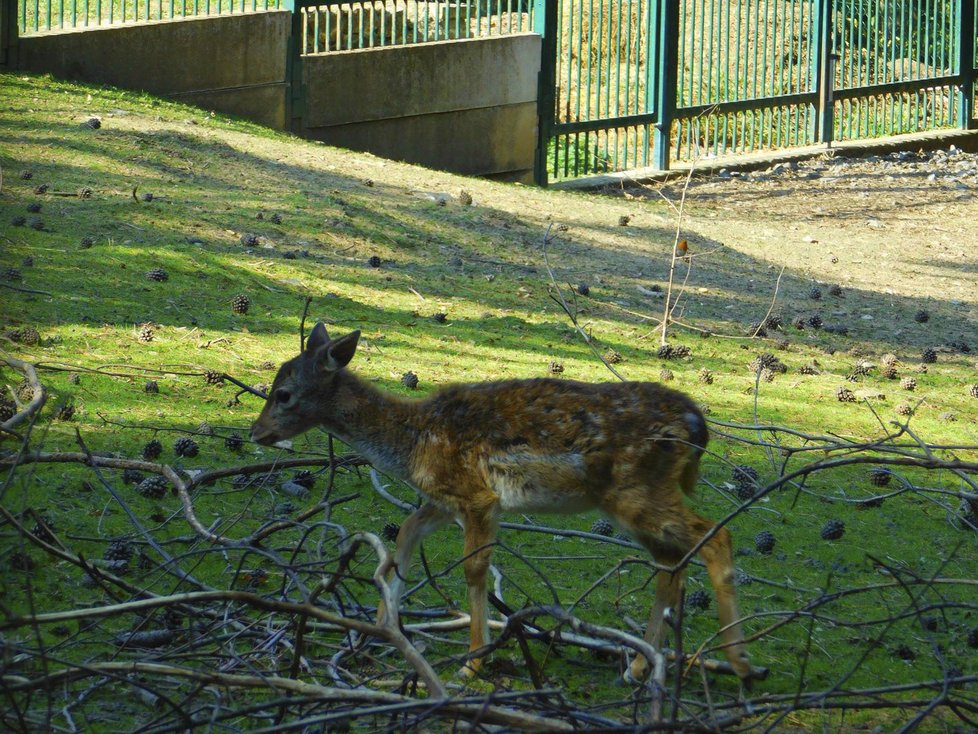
640, 646
302, 324
312, 692
768, 449
669, 306
567, 310
774, 300
389, 631
167, 471
391, 625
69, 556
21, 289
169, 562
181, 486
38, 396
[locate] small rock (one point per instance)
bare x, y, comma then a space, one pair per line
294, 489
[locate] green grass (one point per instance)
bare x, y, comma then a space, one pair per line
483, 266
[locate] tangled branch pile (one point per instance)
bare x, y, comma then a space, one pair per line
196, 622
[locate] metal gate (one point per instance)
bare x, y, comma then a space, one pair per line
629, 84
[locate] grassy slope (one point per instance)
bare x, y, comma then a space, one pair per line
483, 266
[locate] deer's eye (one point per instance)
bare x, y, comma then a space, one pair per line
282, 396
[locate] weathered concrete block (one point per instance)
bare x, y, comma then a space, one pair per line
200, 59
484, 141
420, 79
464, 106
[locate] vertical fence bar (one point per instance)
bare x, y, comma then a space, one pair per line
667, 62
825, 113
545, 24
9, 25
295, 91
966, 30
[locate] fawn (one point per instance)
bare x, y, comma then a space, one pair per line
630, 449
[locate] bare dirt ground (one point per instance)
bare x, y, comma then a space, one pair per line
902, 223
899, 233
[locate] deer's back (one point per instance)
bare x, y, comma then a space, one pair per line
556, 445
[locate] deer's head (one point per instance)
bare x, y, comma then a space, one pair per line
302, 392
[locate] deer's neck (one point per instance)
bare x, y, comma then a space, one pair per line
376, 424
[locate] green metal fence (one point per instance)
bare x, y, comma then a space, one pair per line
629, 84
333, 25
40, 16
340, 26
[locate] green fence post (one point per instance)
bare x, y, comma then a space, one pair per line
295, 98
545, 24
966, 62
666, 79
824, 71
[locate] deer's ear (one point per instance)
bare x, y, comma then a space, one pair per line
317, 339
340, 351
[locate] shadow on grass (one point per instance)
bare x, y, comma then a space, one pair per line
208, 193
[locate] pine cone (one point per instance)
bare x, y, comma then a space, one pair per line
153, 487
764, 541
409, 380
29, 336
880, 477
699, 599
152, 450
240, 304
186, 447
158, 274
833, 530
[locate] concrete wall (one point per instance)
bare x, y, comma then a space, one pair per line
466, 106
232, 63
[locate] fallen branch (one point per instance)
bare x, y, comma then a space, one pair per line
38, 394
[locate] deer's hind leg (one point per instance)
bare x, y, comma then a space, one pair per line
480, 531
669, 530
717, 553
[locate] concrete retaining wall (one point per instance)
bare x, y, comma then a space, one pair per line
232, 63
467, 106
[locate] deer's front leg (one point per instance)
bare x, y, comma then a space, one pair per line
421, 523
